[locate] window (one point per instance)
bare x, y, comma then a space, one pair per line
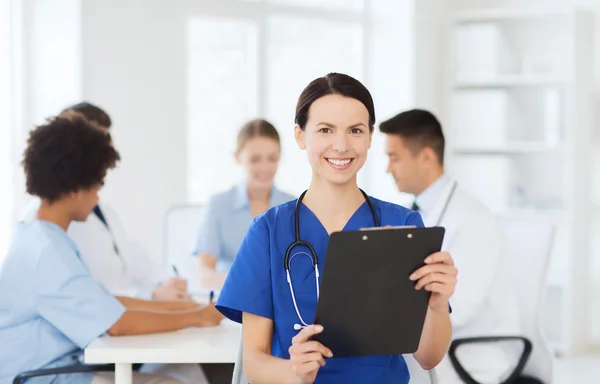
255, 63
222, 95
252, 58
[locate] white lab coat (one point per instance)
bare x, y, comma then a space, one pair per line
130, 272
484, 303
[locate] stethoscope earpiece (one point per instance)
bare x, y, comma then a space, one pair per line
298, 327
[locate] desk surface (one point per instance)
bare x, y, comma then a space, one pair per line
192, 345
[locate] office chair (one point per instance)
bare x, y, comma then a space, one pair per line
529, 244
76, 368
180, 227
417, 374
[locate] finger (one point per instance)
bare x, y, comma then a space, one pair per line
439, 257
307, 368
312, 346
434, 278
443, 289
306, 333
434, 268
304, 358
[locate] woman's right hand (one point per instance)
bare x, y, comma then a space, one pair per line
307, 356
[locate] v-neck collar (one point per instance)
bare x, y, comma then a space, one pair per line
349, 224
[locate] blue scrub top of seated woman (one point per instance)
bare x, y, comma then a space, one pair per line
257, 284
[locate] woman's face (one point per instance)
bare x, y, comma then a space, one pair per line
336, 138
260, 157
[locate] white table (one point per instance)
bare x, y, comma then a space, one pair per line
191, 345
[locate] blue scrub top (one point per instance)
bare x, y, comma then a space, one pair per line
257, 284
50, 306
225, 221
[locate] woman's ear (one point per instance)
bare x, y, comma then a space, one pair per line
372, 130
299, 134
236, 156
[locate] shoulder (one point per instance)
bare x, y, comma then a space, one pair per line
282, 197
467, 203
269, 219
394, 214
37, 240
221, 199
468, 212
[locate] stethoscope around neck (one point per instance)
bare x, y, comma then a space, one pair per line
313, 255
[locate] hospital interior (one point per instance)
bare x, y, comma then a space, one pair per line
515, 85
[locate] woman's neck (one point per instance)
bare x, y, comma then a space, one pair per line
259, 195
54, 213
333, 204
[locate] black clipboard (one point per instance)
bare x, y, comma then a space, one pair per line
364, 273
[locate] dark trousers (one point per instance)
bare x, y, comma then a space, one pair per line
218, 373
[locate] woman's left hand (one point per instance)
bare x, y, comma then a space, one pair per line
438, 277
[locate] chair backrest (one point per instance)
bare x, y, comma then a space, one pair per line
417, 374
180, 228
528, 244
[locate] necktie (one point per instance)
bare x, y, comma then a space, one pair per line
98, 212
414, 206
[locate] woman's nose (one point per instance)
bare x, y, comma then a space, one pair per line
341, 143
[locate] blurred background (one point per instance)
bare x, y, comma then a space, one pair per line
515, 83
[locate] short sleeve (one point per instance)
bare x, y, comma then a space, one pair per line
414, 218
208, 239
248, 284
71, 300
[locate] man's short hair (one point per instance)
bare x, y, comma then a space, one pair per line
419, 128
91, 112
65, 155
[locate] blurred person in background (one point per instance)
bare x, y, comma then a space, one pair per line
483, 303
227, 215
59, 307
113, 259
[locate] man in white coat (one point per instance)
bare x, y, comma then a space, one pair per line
483, 303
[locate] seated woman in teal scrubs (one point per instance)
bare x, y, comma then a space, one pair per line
334, 126
51, 307
227, 215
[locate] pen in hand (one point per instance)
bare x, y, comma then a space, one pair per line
175, 270
211, 297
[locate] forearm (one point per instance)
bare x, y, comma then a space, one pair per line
133, 304
142, 322
263, 368
435, 339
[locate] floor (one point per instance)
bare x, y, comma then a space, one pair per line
579, 370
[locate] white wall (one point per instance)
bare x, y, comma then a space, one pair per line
133, 65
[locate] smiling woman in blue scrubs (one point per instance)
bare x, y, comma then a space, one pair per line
334, 126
